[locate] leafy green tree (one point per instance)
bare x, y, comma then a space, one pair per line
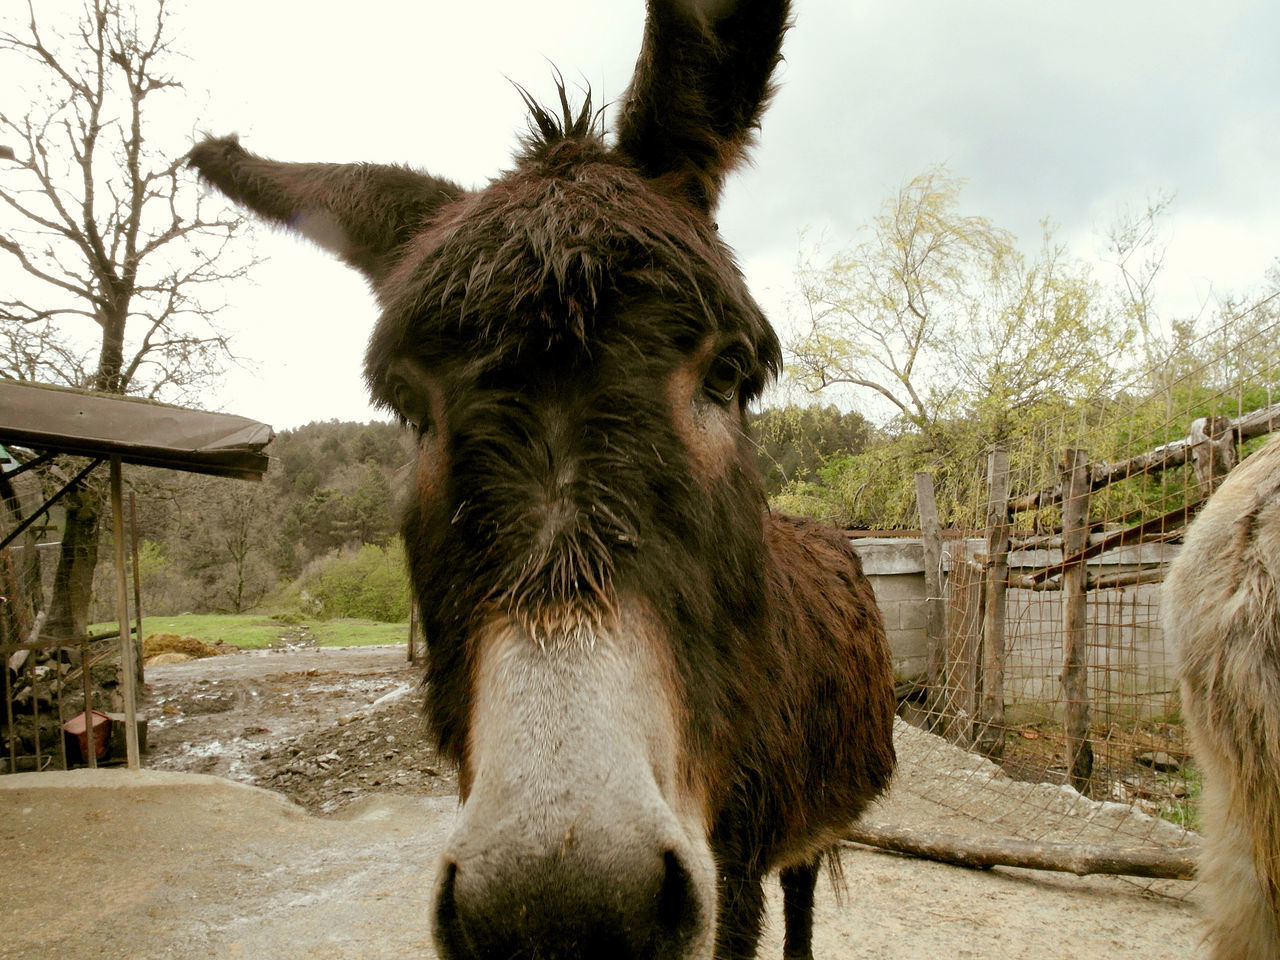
371, 583
939, 317
937, 321
795, 442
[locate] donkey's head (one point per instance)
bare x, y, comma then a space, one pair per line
575, 348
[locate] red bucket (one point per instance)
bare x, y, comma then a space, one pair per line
101, 733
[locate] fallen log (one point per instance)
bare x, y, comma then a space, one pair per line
1170, 863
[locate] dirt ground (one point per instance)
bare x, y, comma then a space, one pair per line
335, 857
321, 726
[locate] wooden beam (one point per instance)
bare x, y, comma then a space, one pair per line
1157, 529
1254, 424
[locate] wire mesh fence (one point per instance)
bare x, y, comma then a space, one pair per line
1049, 699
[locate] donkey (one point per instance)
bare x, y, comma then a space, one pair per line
655, 691
1221, 603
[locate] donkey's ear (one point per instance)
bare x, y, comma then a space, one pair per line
362, 212
700, 85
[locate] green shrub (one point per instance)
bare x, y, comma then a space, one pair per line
371, 584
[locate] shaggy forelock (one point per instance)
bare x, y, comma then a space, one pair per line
549, 253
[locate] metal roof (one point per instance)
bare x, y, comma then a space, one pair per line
137, 431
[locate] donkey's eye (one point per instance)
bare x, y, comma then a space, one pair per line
409, 393
725, 376
411, 406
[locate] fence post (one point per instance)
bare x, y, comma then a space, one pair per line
127, 673
1075, 653
935, 612
990, 729
137, 590
1213, 451
961, 673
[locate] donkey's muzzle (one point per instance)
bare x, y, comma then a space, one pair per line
577, 838
564, 903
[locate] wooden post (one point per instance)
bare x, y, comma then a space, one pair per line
1213, 451
137, 589
8, 689
62, 710
935, 609
413, 625
1075, 653
30, 667
88, 705
127, 675
990, 730
964, 628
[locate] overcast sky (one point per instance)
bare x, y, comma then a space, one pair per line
1068, 112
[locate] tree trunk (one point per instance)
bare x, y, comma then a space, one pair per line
73, 581
24, 589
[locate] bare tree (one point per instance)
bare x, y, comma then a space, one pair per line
116, 262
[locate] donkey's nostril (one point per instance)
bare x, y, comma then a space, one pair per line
679, 913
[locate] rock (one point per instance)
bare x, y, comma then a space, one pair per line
1159, 760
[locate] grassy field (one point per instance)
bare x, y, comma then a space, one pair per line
252, 631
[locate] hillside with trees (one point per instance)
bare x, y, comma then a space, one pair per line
325, 508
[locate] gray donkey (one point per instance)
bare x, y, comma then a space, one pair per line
1221, 604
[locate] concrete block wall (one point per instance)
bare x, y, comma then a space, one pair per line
895, 568
1132, 671
1131, 667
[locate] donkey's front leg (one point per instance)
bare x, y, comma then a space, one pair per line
797, 909
741, 912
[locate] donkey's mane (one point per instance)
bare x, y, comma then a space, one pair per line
546, 128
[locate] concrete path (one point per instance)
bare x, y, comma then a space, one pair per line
113, 865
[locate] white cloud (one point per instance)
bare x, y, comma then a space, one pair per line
1047, 110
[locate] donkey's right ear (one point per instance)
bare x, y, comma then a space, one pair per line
363, 212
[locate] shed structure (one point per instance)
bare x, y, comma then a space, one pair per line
116, 430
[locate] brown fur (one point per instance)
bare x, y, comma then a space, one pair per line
655, 690
1221, 605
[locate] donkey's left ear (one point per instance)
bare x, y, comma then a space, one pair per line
363, 212
701, 83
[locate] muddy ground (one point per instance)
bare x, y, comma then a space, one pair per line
323, 727
200, 868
